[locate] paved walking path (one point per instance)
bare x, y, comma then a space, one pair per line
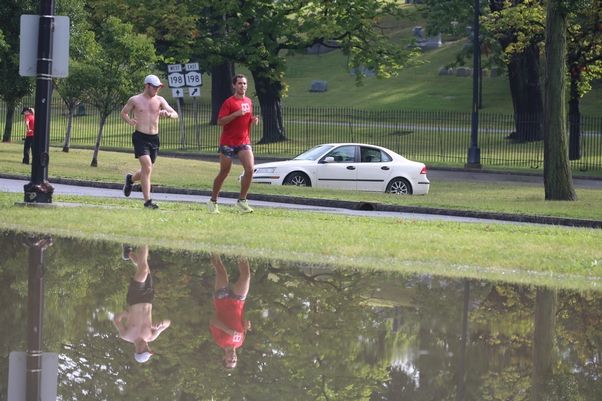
74, 187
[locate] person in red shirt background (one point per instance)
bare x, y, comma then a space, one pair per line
228, 326
28, 117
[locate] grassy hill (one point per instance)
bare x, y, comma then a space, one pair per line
417, 87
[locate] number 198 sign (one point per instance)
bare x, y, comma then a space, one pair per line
180, 75
176, 80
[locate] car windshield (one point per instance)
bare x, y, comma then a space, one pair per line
314, 153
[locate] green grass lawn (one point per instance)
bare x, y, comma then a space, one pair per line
519, 198
562, 257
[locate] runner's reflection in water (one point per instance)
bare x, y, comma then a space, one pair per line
228, 326
135, 324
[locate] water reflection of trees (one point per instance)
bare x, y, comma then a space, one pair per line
318, 334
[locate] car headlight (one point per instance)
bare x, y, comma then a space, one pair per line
265, 170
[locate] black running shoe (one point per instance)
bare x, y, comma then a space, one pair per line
127, 187
150, 204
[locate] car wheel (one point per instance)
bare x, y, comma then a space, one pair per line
297, 178
399, 186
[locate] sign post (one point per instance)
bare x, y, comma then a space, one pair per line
39, 190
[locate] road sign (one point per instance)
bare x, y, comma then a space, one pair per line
28, 46
17, 376
193, 78
176, 80
181, 76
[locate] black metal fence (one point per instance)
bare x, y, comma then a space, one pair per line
440, 138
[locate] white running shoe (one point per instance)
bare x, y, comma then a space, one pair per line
212, 207
243, 206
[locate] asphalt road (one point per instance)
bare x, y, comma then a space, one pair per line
71, 187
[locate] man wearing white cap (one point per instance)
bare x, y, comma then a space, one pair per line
142, 111
135, 324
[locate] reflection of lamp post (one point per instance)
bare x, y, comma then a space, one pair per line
35, 309
461, 390
33, 374
474, 153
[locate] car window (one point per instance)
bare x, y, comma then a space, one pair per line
343, 154
371, 155
313, 153
385, 157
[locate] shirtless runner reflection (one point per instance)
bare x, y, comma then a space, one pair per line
135, 324
228, 326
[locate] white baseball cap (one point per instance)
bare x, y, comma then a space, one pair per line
142, 356
153, 80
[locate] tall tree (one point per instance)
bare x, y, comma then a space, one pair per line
584, 40
584, 62
170, 24
124, 58
13, 87
558, 181
511, 25
518, 29
82, 48
258, 34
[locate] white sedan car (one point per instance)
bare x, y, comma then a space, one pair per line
352, 166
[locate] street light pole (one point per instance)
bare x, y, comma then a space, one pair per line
474, 153
39, 190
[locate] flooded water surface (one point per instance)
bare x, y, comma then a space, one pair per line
141, 323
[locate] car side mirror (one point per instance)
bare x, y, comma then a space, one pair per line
328, 159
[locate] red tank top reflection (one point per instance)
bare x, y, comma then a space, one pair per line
231, 313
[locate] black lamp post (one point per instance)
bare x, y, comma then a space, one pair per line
474, 153
39, 190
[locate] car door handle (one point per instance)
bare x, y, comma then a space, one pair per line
350, 168
385, 168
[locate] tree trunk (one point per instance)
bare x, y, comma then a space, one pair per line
269, 92
558, 181
101, 125
10, 117
221, 87
574, 122
67, 142
525, 87
543, 343
527, 101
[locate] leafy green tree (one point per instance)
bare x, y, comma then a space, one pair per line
558, 182
584, 60
170, 24
82, 47
507, 35
258, 34
527, 20
13, 87
122, 60
517, 27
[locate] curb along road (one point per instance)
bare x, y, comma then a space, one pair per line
371, 206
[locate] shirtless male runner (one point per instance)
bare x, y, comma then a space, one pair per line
135, 324
142, 111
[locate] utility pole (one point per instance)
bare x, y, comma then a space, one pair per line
474, 153
39, 190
